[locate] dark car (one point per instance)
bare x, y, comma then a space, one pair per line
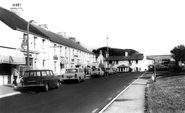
40, 78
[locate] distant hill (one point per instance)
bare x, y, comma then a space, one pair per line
114, 51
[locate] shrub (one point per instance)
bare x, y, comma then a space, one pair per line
176, 68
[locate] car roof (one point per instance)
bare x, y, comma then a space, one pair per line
39, 70
74, 68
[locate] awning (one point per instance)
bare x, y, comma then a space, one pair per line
63, 61
11, 56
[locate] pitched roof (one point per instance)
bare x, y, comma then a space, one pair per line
17, 23
123, 58
123, 65
68, 42
152, 57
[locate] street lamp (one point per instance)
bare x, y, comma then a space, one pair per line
28, 25
107, 53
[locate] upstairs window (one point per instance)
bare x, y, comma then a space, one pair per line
60, 50
66, 51
55, 49
34, 42
43, 44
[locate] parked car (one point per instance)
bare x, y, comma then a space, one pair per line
74, 74
40, 78
89, 71
115, 70
109, 71
97, 72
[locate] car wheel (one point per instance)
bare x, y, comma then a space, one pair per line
79, 79
46, 87
84, 78
57, 84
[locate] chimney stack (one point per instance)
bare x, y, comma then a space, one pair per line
17, 9
72, 38
63, 34
45, 26
78, 42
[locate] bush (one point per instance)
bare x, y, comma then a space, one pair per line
176, 68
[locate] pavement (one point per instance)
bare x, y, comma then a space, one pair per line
130, 100
9, 90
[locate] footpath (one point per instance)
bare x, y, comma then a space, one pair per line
130, 100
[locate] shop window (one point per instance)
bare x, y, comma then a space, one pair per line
5, 69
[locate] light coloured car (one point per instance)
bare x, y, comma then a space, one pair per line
97, 72
115, 70
109, 71
74, 74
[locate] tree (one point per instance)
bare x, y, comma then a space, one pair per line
114, 51
178, 53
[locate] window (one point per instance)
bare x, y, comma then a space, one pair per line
38, 73
66, 51
60, 50
48, 73
26, 74
55, 49
34, 41
43, 64
43, 44
51, 73
44, 73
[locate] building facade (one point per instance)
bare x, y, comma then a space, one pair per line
47, 50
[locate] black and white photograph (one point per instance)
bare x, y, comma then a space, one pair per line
92, 56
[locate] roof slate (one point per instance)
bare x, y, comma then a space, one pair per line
152, 57
17, 23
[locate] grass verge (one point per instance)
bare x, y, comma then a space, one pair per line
166, 95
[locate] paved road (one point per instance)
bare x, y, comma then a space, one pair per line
86, 97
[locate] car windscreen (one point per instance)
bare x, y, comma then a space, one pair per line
71, 70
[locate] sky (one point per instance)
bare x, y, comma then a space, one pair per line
152, 27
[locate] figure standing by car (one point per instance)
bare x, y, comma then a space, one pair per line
85, 70
15, 76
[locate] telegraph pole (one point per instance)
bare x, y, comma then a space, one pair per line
28, 58
107, 53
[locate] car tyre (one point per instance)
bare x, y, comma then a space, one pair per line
57, 85
46, 87
79, 79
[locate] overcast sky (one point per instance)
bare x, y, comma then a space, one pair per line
150, 26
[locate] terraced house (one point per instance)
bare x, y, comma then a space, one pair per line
47, 49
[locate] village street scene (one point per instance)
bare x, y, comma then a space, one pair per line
89, 70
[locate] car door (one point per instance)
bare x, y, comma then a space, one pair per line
80, 73
46, 77
51, 78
